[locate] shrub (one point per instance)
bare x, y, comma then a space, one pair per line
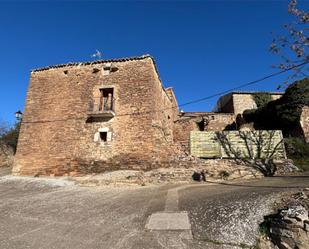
284, 113
10, 136
224, 174
262, 98
298, 150
249, 115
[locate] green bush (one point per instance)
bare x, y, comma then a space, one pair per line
249, 115
284, 113
262, 98
224, 174
298, 150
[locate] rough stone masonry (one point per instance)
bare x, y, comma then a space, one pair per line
105, 115
96, 116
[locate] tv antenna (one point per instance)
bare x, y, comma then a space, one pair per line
97, 55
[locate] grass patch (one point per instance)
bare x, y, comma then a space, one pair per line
301, 163
298, 150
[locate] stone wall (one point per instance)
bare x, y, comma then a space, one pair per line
57, 137
187, 122
242, 144
238, 102
180, 172
289, 226
304, 122
242, 102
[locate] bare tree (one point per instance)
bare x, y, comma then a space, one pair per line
260, 149
4, 128
292, 44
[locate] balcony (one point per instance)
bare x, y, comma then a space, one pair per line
101, 107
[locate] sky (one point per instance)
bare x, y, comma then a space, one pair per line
201, 48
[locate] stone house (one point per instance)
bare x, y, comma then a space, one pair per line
96, 116
238, 102
105, 115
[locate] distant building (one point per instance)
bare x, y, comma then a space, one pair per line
238, 102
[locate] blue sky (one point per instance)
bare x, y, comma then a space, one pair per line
201, 48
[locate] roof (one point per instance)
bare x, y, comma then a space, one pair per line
252, 92
134, 58
185, 116
198, 114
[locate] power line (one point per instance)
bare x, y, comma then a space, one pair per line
224, 92
244, 85
192, 101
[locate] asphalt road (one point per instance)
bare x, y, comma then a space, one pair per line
39, 214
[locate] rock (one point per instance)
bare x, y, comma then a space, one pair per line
288, 228
285, 246
298, 212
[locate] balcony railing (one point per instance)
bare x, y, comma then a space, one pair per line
101, 107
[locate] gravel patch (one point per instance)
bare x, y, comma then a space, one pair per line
38, 181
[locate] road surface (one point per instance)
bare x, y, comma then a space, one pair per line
41, 213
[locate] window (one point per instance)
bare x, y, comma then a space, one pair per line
107, 69
106, 99
103, 136
201, 125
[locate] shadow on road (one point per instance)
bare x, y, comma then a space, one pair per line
296, 176
265, 186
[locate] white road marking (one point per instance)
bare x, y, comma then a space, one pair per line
169, 221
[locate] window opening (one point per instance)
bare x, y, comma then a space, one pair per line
106, 99
103, 136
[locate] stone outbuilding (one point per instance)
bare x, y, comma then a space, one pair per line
238, 102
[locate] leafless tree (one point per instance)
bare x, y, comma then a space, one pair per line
292, 44
4, 128
260, 149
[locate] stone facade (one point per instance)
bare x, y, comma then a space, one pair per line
304, 122
59, 137
237, 144
238, 102
199, 121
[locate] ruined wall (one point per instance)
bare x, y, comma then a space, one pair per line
304, 122
234, 144
188, 122
238, 102
242, 102
57, 137
219, 121
225, 104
